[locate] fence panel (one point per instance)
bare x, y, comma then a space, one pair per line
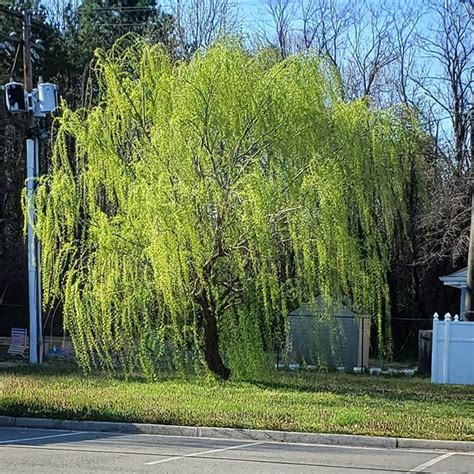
453, 351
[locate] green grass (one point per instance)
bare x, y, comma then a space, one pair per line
311, 402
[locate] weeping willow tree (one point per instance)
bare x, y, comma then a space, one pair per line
187, 210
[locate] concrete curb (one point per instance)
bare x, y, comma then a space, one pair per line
238, 434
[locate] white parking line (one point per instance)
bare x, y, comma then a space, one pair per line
19, 440
202, 453
434, 461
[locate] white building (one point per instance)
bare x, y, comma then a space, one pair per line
458, 280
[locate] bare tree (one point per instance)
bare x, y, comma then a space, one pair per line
445, 88
309, 10
370, 51
200, 22
447, 76
406, 20
324, 27
282, 13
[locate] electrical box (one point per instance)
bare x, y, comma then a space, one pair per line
47, 98
15, 97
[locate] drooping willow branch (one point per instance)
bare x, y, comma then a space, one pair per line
245, 189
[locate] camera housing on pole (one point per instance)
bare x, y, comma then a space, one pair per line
45, 99
15, 97
40, 101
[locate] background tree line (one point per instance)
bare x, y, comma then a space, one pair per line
416, 53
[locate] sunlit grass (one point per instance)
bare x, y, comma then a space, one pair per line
311, 402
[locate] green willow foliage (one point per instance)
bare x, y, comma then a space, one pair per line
230, 185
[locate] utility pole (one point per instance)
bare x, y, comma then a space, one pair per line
22, 98
31, 173
469, 302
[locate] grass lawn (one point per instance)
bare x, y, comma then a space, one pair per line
332, 403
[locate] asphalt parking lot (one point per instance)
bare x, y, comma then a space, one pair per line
35, 450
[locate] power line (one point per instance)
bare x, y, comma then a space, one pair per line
147, 23
168, 5
150, 8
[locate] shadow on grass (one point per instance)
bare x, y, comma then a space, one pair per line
392, 388
70, 368
399, 388
21, 367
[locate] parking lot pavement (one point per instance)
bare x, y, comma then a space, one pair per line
35, 450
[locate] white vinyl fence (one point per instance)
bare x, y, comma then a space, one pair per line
452, 357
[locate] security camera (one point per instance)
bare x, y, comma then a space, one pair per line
15, 97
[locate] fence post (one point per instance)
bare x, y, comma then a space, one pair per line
447, 324
462, 306
434, 349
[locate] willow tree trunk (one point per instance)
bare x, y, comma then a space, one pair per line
211, 342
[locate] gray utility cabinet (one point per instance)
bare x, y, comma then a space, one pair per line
316, 339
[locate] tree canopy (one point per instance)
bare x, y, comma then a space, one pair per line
187, 212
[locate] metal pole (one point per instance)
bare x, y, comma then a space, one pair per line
32, 170
38, 266
469, 310
32, 275
468, 307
